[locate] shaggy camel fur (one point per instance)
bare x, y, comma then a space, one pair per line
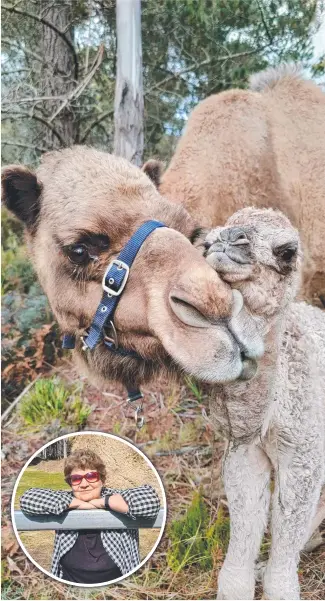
277, 420
79, 211
263, 147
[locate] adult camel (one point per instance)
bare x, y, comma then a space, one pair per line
80, 209
262, 147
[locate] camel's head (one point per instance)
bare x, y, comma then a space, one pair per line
80, 209
259, 253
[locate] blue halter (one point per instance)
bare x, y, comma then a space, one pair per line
113, 283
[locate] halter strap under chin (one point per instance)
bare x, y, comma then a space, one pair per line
113, 283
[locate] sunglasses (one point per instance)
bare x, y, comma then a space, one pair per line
76, 479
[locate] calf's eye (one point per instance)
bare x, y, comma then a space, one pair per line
77, 254
286, 252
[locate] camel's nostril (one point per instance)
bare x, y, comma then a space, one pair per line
240, 239
235, 236
188, 313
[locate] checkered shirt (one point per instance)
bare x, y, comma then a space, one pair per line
121, 545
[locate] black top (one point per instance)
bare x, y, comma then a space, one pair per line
88, 562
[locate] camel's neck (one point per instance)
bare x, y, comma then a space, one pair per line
243, 409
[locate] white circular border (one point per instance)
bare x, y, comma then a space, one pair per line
94, 433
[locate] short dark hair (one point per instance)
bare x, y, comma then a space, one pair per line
84, 459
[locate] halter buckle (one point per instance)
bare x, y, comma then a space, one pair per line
120, 265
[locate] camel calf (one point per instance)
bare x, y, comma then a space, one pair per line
276, 421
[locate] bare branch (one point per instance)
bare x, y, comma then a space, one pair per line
24, 13
20, 115
83, 84
26, 51
33, 100
94, 123
266, 27
21, 145
206, 61
15, 71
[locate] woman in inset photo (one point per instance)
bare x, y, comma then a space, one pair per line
87, 555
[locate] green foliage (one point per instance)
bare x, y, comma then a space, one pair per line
17, 271
318, 68
194, 540
10, 589
30, 338
50, 400
25, 312
213, 45
194, 388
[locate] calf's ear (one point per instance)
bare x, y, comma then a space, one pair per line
153, 169
21, 193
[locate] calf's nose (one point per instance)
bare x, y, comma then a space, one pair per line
235, 236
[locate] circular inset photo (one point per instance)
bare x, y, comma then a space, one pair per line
88, 508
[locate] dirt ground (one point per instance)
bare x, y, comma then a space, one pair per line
187, 454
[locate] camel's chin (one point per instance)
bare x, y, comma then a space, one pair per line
223, 374
249, 369
222, 364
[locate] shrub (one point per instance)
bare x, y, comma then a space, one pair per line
17, 271
194, 540
51, 400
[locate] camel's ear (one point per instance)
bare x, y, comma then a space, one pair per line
153, 169
20, 193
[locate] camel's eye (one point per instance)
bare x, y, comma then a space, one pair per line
286, 252
78, 254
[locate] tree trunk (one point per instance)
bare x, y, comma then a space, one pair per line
58, 73
128, 115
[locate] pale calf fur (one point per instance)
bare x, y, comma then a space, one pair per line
276, 421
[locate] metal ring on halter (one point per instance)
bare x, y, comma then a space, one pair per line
135, 399
112, 338
139, 419
82, 338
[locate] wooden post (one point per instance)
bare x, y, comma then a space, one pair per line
128, 113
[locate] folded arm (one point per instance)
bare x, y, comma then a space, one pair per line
142, 501
46, 501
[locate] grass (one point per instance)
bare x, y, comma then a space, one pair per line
39, 544
50, 399
195, 540
34, 478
